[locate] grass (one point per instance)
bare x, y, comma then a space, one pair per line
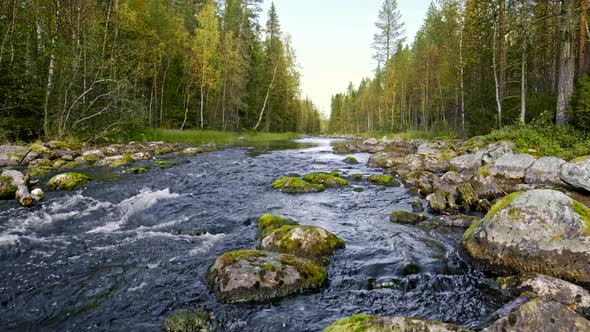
541, 138
410, 134
198, 137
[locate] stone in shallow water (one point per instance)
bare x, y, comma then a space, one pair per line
385, 180
260, 276
293, 185
328, 180
184, 320
366, 323
405, 217
68, 181
269, 223
541, 231
304, 241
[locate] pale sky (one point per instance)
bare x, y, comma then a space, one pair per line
332, 40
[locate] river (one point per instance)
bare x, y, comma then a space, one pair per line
129, 250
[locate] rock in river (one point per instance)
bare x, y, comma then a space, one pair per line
268, 223
541, 231
259, 276
328, 180
304, 241
292, 185
68, 181
405, 217
389, 324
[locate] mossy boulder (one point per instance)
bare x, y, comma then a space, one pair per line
7, 188
165, 164
357, 177
542, 231
367, 323
351, 160
303, 241
417, 205
198, 320
405, 217
537, 314
68, 181
293, 185
576, 173
384, 180
39, 171
328, 180
441, 200
268, 223
121, 161
261, 276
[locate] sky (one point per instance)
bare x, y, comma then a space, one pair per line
332, 40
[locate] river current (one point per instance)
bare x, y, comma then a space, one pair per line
129, 250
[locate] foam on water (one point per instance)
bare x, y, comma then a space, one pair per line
129, 207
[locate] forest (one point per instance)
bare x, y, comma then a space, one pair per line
474, 66
86, 70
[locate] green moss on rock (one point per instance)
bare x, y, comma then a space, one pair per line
91, 159
293, 185
136, 170
304, 241
351, 160
328, 180
386, 180
268, 223
184, 320
356, 323
357, 177
584, 214
405, 217
68, 181
165, 164
502, 204
7, 188
124, 160
313, 275
39, 171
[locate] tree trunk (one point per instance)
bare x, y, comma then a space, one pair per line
496, 80
274, 74
523, 87
462, 83
565, 85
50, 72
582, 38
502, 50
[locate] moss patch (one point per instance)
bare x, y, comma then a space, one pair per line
579, 159
68, 181
294, 185
312, 274
502, 204
7, 189
331, 180
317, 246
351, 160
357, 323
405, 217
233, 257
39, 171
584, 214
165, 164
124, 160
386, 180
268, 223
91, 159
357, 177
136, 170
188, 321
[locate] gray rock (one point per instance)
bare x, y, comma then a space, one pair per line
511, 166
557, 290
390, 324
537, 314
545, 171
259, 276
576, 173
10, 155
371, 141
497, 151
542, 231
467, 163
303, 241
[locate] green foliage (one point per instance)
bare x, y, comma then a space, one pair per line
581, 104
543, 138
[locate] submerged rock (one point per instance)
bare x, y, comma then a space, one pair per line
259, 276
351, 160
184, 320
541, 231
304, 241
389, 324
576, 173
68, 181
269, 223
537, 314
293, 185
385, 180
328, 180
405, 217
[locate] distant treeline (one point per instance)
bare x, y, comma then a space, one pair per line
474, 65
91, 68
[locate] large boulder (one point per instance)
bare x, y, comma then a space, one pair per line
545, 171
541, 231
557, 290
468, 163
259, 276
497, 151
11, 155
509, 170
304, 241
269, 223
537, 314
328, 180
367, 323
68, 181
293, 185
576, 173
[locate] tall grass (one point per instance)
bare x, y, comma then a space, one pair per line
198, 137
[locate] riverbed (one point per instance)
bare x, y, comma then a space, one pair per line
129, 250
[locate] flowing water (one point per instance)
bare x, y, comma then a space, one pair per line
129, 250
